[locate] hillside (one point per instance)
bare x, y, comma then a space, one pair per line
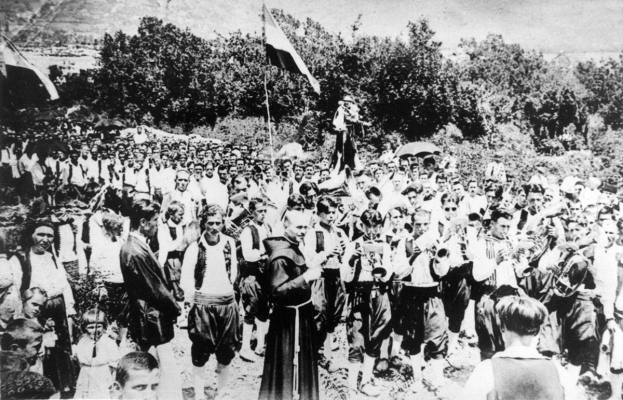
51, 21
571, 26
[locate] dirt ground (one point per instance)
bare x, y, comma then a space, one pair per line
245, 377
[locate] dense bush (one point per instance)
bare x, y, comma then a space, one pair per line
174, 79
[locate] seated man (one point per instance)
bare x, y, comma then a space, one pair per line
520, 372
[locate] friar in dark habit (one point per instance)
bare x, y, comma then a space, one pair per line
289, 373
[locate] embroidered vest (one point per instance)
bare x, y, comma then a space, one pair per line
200, 267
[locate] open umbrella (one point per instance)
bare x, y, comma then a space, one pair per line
109, 124
48, 146
418, 149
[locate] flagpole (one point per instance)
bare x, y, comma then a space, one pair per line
270, 132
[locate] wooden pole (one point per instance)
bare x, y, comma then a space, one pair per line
270, 132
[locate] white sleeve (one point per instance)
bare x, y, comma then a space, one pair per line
483, 266
387, 262
234, 261
401, 262
347, 272
165, 243
246, 243
480, 382
187, 278
568, 384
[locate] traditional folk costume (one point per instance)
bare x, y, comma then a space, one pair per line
208, 273
45, 272
327, 292
370, 312
253, 282
291, 362
492, 282
171, 254
403, 251
423, 317
572, 322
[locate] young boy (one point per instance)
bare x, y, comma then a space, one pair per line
520, 368
24, 338
137, 377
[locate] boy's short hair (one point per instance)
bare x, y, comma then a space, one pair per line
20, 332
521, 315
135, 361
30, 293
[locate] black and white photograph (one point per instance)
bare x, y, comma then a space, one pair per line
311, 200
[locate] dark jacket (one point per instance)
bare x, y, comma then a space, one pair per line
153, 309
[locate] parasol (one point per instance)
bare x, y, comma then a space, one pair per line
48, 146
418, 149
109, 124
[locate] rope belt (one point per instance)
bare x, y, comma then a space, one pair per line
297, 349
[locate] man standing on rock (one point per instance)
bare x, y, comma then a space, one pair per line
291, 366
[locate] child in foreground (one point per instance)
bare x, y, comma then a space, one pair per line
520, 372
98, 355
137, 377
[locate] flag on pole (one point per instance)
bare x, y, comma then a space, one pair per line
280, 51
22, 83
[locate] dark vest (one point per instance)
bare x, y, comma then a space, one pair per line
525, 379
200, 267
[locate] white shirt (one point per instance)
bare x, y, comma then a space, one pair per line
187, 199
216, 192
604, 270
474, 204
481, 383
246, 242
216, 282
368, 263
76, 174
331, 241
49, 276
105, 259
166, 241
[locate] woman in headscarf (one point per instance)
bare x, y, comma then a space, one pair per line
41, 269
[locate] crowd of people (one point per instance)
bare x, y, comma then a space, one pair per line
263, 260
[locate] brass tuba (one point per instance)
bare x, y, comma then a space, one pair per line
570, 273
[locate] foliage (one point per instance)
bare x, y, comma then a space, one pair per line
404, 87
605, 85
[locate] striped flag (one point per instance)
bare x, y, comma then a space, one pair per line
280, 52
23, 84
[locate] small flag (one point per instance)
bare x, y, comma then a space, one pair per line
280, 52
23, 83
